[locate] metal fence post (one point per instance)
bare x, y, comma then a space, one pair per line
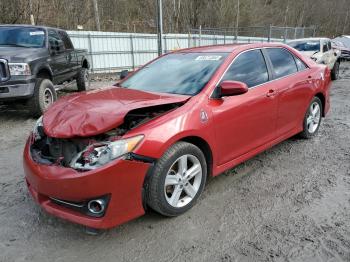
236, 34
90, 53
285, 35
200, 35
165, 44
189, 39
270, 33
132, 51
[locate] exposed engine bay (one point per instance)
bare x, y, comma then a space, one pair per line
89, 153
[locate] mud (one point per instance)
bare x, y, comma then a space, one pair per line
290, 203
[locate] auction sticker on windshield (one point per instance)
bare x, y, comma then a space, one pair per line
36, 33
209, 57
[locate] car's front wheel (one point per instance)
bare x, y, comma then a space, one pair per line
312, 119
177, 179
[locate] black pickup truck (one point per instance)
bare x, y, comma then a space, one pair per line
33, 60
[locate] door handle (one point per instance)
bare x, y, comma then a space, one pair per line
271, 93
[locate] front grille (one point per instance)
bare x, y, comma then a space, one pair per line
4, 70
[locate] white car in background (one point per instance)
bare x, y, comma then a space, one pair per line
321, 51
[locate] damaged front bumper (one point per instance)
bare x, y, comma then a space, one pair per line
121, 180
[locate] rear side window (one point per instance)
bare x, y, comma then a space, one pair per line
282, 61
300, 64
249, 68
66, 41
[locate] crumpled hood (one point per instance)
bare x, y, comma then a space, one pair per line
98, 111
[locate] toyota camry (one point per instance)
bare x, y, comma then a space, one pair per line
102, 157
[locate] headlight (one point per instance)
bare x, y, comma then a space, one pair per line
19, 69
99, 154
37, 130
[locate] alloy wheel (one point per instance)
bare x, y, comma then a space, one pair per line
314, 117
183, 181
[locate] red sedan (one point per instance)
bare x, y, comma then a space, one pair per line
100, 158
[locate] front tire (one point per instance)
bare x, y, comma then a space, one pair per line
43, 97
335, 71
177, 180
312, 119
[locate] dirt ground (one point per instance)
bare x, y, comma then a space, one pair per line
290, 203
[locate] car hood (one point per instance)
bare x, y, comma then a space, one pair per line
98, 111
21, 54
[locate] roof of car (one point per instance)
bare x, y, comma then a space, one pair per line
229, 47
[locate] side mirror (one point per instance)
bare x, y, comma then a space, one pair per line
124, 74
232, 88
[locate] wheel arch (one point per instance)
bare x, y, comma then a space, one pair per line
85, 63
323, 100
44, 72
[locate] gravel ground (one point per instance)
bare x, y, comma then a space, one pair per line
291, 203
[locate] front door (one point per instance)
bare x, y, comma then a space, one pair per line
247, 121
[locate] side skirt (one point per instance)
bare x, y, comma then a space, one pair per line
220, 169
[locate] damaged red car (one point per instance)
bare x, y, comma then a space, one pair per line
152, 140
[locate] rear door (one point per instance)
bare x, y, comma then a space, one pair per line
294, 86
71, 56
247, 121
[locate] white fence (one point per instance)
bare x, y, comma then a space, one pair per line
112, 52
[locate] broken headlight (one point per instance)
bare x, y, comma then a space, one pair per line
99, 154
37, 130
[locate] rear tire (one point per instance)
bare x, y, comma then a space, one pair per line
43, 97
335, 71
177, 180
312, 119
82, 78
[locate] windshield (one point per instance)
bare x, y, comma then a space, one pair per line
22, 37
179, 73
313, 45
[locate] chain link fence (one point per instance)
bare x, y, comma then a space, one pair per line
111, 52
204, 36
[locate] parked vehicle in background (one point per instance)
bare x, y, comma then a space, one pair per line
33, 59
321, 51
100, 158
343, 48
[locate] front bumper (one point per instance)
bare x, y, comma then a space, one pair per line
17, 87
121, 179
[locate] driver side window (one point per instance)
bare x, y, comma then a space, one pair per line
54, 39
249, 68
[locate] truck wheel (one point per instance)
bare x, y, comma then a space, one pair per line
43, 97
83, 81
177, 180
335, 71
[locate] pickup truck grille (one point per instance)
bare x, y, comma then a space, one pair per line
4, 70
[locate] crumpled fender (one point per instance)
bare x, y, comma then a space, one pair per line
98, 111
